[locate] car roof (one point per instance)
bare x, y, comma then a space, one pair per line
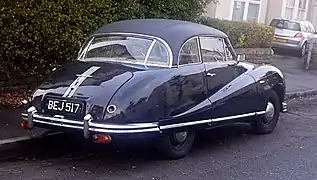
160, 28
173, 32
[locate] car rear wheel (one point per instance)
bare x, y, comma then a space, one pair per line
266, 123
176, 145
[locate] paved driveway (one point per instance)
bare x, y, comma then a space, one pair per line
297, 79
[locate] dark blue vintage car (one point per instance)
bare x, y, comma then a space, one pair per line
162, 79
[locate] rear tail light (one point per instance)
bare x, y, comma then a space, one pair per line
99, 138
24, 125
299, 35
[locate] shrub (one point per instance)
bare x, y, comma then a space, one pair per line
37, 35
243, 34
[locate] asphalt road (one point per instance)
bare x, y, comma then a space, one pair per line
226, 153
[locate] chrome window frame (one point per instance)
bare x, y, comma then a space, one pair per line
198, 48
154, 38
223, 45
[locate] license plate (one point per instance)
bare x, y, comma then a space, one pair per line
66, 107
280, 40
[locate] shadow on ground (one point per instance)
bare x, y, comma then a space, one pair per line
72, 148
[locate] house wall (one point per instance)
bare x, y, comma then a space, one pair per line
274, 10
224, 9
269, 9
263, 11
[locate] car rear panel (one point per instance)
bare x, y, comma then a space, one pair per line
285, 34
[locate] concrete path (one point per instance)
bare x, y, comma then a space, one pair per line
297, 78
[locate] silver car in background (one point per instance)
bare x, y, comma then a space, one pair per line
292, 35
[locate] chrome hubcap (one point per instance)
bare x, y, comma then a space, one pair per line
269, 113
180, 137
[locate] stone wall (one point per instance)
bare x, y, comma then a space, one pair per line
257, 55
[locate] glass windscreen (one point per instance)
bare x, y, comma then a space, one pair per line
127, 49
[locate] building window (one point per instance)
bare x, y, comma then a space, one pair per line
290, 3
301, 15
302, 4
238, 11
253, 12
289, 13
289, 9
246, 10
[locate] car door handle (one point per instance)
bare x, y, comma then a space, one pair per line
211, 74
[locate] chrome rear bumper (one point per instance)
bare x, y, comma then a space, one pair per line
87, 125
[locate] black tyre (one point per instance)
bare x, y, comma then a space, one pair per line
176, 145
266, 123
302, 51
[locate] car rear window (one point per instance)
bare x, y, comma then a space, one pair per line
125, 48
285, 24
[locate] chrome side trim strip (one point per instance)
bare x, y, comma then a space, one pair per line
233, 117
210, 120
260, 113
185, 124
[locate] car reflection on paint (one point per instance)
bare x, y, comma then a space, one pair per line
158, 79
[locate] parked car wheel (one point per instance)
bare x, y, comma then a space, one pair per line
176, 145
302, 51
266, 124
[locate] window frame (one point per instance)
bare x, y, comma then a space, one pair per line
84, 49
198, 48
223, 45
226, 42
246, 8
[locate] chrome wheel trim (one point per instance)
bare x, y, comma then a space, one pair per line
269, 112
180, 137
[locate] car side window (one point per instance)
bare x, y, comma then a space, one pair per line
229, 55
212, 49
189, 53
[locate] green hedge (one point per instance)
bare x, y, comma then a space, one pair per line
37, 35
243, 34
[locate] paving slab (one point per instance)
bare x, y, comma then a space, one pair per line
296, 77
10, 130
